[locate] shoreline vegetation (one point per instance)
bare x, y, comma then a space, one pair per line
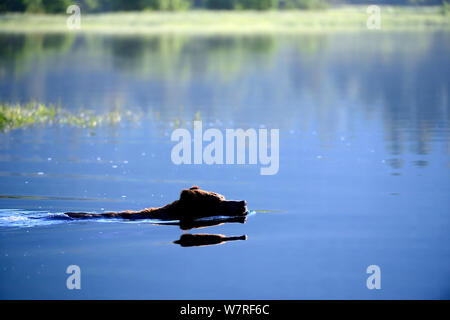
345, 18
15, 116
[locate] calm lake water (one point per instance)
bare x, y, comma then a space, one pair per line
364, 122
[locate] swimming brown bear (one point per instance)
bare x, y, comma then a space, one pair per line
193, 203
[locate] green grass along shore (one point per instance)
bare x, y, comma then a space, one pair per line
347, 18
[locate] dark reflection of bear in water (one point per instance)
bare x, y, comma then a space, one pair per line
197, 240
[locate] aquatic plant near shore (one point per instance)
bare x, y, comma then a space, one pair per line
13, 116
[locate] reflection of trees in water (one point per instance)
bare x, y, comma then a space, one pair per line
306, 81
20, 51
186, 57
407, 77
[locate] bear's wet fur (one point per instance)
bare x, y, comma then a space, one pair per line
193, 203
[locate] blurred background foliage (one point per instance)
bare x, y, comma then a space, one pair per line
60, 6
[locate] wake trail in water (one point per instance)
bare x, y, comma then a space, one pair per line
31, 218
26, 218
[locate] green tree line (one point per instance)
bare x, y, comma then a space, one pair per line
60, 6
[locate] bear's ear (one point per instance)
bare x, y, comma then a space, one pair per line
194, 188
186, 194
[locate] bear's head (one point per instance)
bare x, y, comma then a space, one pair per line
200, 203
